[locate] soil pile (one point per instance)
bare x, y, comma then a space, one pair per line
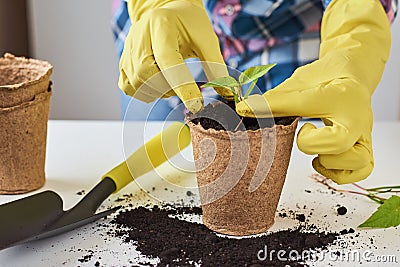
157, 232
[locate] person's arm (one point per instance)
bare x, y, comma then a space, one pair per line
355, 45
162, 35
390, 7
282, 20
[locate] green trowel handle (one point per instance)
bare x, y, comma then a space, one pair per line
152, 154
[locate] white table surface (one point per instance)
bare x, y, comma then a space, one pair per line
80, 152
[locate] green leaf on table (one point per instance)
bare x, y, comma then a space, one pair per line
227, 81
387, 215
253, 73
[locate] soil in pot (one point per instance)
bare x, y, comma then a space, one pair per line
222, 117
241, 165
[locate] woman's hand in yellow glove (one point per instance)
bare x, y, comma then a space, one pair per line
163, 34
355, 45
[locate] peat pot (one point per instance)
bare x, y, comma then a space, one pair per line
240, 174
25, 90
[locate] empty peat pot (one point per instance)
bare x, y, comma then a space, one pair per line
25, 90
240, 174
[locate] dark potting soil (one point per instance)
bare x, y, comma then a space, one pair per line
342, 210
222, 116
157, 232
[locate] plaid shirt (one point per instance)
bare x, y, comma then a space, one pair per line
257, 32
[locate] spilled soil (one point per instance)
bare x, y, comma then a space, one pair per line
160, 232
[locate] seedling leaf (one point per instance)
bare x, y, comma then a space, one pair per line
253, 73
227, 82
387, 215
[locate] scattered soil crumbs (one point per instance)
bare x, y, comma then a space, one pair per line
301, 217
342, 210
80, 193
158, 233
87, 257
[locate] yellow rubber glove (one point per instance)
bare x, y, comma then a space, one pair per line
163, 34
355, 45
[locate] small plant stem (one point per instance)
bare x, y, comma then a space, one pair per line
240, 122
379, 190
359, 186
375, 198
385, 189
323, 180
235, 96
239, 93
250, 89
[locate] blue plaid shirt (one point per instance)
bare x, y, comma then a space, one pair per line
257, 32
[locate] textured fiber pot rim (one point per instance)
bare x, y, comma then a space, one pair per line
222, 134
44, 68
38, 98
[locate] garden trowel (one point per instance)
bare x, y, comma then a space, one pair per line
41, 215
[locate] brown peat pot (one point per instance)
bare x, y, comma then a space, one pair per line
240, 174
25, 90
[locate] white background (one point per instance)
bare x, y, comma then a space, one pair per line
75, 36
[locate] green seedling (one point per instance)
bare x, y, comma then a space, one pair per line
250, 75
